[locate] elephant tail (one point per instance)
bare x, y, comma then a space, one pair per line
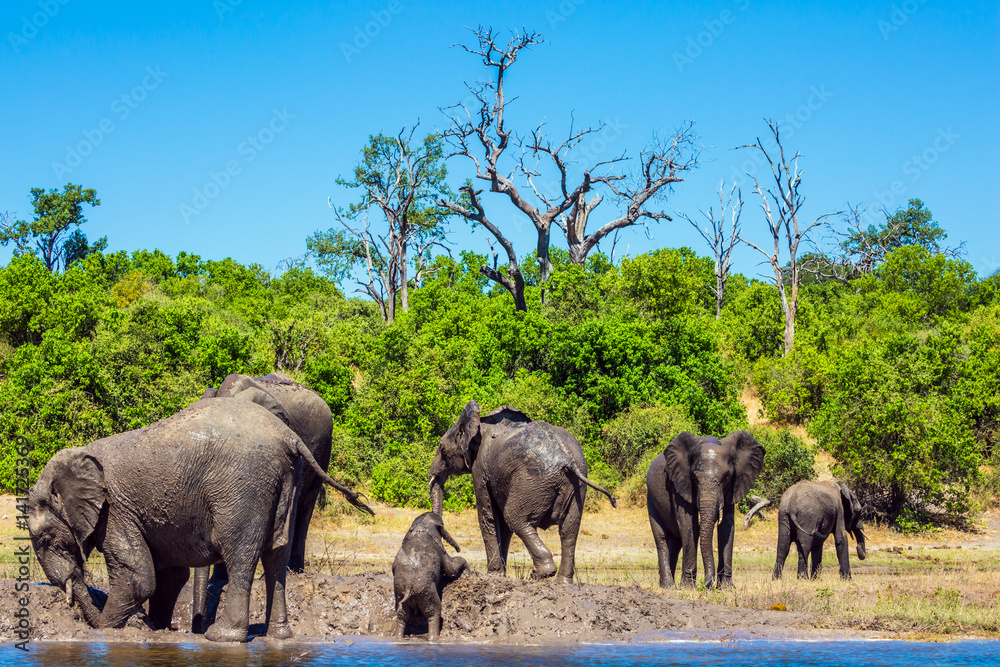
352, 497
583, 478
759, 504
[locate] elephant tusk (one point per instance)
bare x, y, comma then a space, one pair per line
69, 591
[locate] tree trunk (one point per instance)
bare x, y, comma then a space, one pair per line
544, 265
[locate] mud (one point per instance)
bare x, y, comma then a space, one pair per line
476, 607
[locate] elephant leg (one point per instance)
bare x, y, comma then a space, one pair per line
199, 592
545, 565
213, 594
667, 547
784, 544
803, 549
431, 607
132, 580
727, 535
402, 616
491, 525
275, 571
843, 555
233, 622
817, 558
303, 515
504, 533
169, 582
689, 558
569, 530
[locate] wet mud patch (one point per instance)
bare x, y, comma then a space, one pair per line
477, 607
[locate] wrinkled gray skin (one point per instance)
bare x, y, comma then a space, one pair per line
692, 487
308, 415
420, 571
808, 514
527, 475
217, 482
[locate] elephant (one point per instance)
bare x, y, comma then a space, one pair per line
308, 415
218, 481
420, 571
692, 486
808, 513
527, 475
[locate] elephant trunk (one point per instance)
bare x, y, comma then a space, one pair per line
859, 535
437, 493
79, 593
451, 540
708, 516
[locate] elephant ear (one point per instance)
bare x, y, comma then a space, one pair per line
262, 398
848, 499
748, 461
680, 455
459, 437
233, 384
78, 492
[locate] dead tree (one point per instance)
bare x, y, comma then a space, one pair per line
783, 224
481, 135
722, 236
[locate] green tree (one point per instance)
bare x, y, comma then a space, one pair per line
56, 213
399, 181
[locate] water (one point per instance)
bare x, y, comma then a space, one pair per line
362, 652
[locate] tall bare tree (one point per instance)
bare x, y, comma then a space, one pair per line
721, 234
481, 135
781, 204
400, 181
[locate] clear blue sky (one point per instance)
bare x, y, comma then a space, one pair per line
873, 84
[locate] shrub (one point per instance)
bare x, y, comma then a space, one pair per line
788, 459
631, 441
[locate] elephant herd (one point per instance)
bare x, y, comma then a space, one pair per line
232, 480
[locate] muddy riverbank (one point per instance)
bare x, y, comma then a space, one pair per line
477, 607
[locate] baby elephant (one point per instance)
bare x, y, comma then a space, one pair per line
420, 571
808, 514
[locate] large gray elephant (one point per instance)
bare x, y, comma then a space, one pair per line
421, 569
809, 512
527, 475
217, 482
692, 486
308, 415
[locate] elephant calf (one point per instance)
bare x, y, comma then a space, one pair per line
420, 571
808, 514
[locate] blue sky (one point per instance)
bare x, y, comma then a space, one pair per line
146, 102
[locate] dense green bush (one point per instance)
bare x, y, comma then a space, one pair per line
895, 373
639, 434
788, 459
